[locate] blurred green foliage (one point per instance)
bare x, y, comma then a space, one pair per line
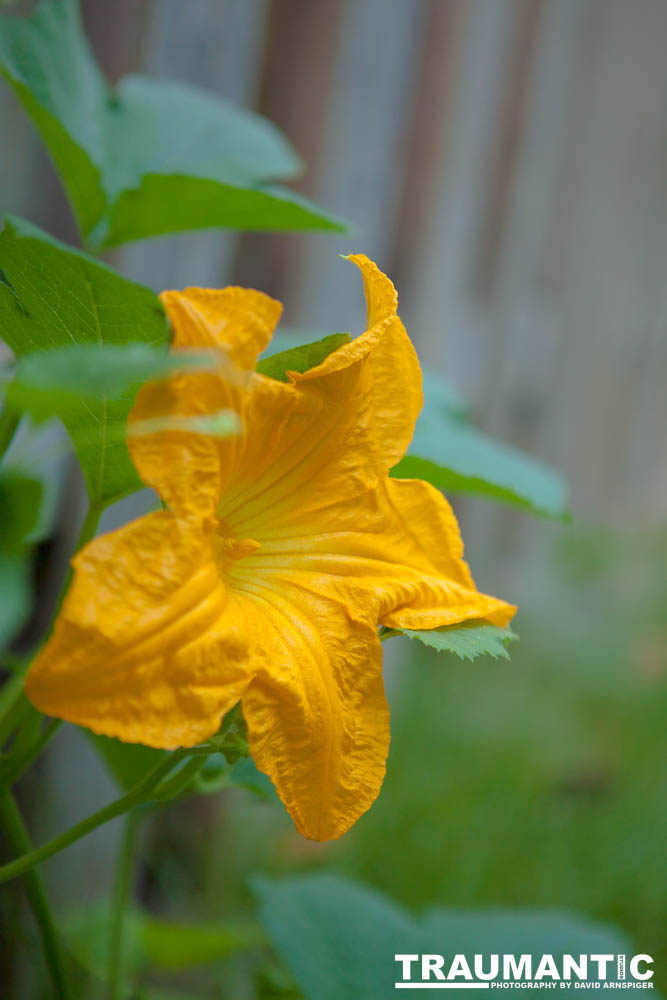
146, 157
537, 782
332, 956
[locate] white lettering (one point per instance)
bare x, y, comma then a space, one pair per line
459, 967
516, 970
406, 961
602, 963
634, 967
547, 967
579, 968
479, 967
432, 964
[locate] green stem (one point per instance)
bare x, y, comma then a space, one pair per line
20, 766
12, 704
18, 839
173, 786
121, 897
140, 793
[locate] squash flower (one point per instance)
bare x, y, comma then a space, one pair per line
280, 552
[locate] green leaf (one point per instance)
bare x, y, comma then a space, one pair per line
339, 939
441, 397
224, 423
47, 61
157, 993
53, 297
20, 500
87, 932
56, 382
301, 358
174, 129
149, 157
245, 774
446, 451
467, 640
287, 337
148, 940
162, 205
16, 595
457, 458
128, 763
180, 946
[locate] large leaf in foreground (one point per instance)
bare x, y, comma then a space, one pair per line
148, 157
52, 383
339, 939
54, 297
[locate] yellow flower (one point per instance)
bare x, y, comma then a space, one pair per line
281, 552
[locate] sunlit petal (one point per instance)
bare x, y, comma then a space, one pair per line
241, 321
190, 470
317, 717
145, 648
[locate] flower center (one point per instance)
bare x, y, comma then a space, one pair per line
238, 548
229, 549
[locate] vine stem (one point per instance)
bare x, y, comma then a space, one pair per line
31, 755
18, 839
121, 897
139, 794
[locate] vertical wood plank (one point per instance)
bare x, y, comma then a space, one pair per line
363, 157
219, 46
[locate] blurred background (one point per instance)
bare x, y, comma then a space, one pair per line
505, 162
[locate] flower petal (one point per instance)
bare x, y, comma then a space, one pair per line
146, 647
241, 321
428, 555
316, 712
189, 470
397, 553
184, 467
288, 429
311, 487
344, 422
393, 376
